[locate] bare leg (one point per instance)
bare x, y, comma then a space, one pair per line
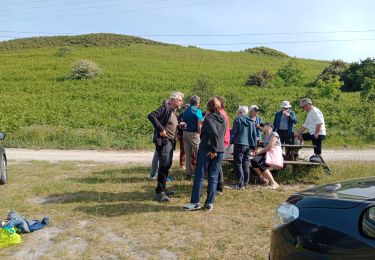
264, 180
267, 174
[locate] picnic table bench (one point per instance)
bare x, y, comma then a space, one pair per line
291, 157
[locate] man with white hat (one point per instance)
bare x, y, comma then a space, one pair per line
284, 122
314, 123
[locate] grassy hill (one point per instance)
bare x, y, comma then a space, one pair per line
39, 108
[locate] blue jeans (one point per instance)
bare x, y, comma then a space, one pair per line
241, 156
213, 173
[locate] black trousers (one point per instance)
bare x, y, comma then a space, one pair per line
286, 137
318, 142
165, 155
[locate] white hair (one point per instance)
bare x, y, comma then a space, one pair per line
243, 110
174, 95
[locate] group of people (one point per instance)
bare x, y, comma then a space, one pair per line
206, 136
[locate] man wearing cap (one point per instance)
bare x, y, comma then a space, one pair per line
284, 122
253, 111
314, 123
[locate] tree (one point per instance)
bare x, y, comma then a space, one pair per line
291, 73
355, 75
260, 78
335, 69
329, 88
204, 87
368, 90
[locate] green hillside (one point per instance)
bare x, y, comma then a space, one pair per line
40, 108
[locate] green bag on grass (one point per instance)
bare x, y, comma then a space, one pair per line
9, 237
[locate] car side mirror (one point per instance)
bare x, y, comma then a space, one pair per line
368, 222
2, 135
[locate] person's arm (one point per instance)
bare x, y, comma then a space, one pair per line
213, 137
292, 117
300, 132
234, 131
317, 130
271, 143
154, 119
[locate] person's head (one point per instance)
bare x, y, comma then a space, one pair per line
285, 105
243, 110
253, 110
213, 105
305, 104
267, 127
176, 100
221, 101
195, 101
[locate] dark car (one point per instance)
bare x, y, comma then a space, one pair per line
334, 221
3, 162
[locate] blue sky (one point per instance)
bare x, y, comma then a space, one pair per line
318, 29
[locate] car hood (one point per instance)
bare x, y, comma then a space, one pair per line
342, 194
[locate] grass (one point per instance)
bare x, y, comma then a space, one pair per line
107, 211
41, 109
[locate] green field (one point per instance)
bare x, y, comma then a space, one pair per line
42, 109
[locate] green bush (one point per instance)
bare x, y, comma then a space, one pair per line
266, 51
204, 87
355, 75
335, 69
260, 78
84, 69
329, 88
368, 90
291, 73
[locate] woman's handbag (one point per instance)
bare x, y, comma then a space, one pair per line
274, 157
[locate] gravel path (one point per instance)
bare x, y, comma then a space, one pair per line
144, 157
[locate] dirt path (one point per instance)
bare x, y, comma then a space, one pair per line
145, 157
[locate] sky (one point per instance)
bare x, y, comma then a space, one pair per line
317, 29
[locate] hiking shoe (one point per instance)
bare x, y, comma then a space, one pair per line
209, 207
153, 176
169, 193
162, 197
191, 206
170, 178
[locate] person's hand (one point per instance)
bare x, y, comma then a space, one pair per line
212, 155
163, 133
286, 113
258, 126
316, 136
253, 153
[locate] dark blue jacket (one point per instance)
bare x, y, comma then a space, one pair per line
159, 119
292, 120
244, 132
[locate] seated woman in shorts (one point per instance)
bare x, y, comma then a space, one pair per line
259, 161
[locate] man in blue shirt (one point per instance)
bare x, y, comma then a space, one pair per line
193, 118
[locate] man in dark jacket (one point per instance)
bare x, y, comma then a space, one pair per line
165, 122
210, 152
284, 122
244, 138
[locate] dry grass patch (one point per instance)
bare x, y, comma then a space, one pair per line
107, 211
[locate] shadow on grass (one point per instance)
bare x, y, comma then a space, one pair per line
100, 197
115, 210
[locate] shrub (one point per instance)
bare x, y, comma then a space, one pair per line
84, 69
335, 69
63, 51
355, 75
204, 87
260, 78
329, 88
291, 73
266, 51
368, 90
